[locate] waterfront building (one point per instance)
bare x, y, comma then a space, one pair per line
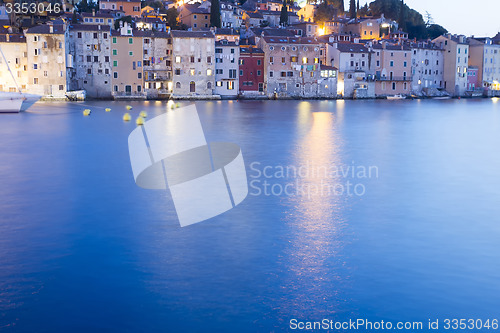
157, 64
195, 16
456, 55
193, 63
251, 71
305, 29
129, 7
391, 65
353, 63
485, 55
15, 50
126, 58
427, 67
89, 45
227, 56
473, 81
291, 66
48, 62
327, 83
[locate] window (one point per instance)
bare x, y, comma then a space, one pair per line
209, 85
230, 85
232, 73
258, 62
115, 75
192, 86
378, 63
133, 65
115, 52
195, 16
61, 87
271, 74
130, 53
114, 40
106, 58
271, 59
96, 59
44, 45
95, 35
304, 60
79, 35
219, 83
209, 72
178, 59
139, 75
105, 35
130, 40
89, 71
178, 85
392, 63
45, 73
177, 71
394, 86
192, 59
209, 60
232, 50
35, 80
115, 63
35, 66
283, 60
259, 73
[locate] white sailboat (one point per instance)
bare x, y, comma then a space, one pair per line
15, 101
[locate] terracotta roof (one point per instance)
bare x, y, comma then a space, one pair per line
89, 27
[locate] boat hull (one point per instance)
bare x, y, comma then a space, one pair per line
11, 105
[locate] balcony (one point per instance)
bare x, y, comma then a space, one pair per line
393, 78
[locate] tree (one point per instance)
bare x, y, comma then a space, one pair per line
402, 16
172, 15
352, 8
87, 6
435, 30
342, 6
324, 12
284, 13
215, 13
363, 11
357, 7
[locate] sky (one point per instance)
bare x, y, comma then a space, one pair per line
459, 17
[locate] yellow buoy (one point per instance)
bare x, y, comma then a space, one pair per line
129, 107
143, 114
86, 112
172, 106
108, 109
139, 121
177, 105
126, 117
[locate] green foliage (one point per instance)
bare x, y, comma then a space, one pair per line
352, 8
435, 30
324, 12
87, 6
172, 15
215, 13
127, 19
284, 14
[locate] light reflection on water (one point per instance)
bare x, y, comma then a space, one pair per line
82, 248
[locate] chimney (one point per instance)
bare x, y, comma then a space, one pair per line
7, 38
93, 12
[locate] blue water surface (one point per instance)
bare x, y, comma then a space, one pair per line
83, 249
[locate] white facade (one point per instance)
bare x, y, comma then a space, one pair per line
227, 55
486, 57
15, 50
427, 67
90, 47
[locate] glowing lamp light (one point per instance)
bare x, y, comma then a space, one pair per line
321, 31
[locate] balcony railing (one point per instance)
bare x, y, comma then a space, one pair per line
392, 78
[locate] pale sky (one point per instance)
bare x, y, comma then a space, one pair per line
477, 17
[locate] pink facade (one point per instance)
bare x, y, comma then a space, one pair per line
392, 66
473, 82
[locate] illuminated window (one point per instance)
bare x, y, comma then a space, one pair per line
304, 60
178, 59
209, 72
192, 72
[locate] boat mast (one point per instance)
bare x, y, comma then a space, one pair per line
11, 74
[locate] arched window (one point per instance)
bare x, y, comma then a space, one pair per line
209, 85
178, 85
192, 86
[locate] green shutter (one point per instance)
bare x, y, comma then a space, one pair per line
115, 63
130, 40
114, 52
114, 40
